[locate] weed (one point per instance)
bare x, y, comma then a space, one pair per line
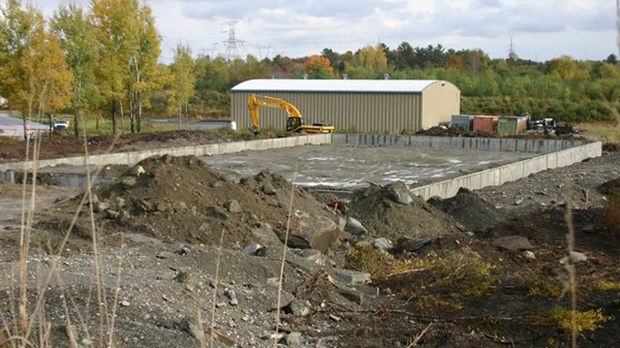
544, 288
577, 321
605, 286
430, 304
365, 258
462, 273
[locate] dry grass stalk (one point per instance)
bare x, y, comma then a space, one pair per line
282, 263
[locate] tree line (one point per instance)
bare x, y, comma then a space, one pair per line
105, 61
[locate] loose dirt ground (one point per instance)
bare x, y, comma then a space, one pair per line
169, 261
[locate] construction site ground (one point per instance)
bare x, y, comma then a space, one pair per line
200, 264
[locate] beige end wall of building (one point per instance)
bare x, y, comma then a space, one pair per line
441, 101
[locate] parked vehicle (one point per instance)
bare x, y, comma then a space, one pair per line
61, 124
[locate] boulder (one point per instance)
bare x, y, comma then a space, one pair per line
400, 195
308, 232
513, 243
355, 227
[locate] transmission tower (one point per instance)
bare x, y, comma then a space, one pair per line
232, 44
260, 51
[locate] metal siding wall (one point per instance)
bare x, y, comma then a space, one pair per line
364, 112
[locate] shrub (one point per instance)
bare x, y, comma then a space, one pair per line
583, 321
365, 258
463, 274
541, 287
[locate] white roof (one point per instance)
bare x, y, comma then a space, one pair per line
360, 86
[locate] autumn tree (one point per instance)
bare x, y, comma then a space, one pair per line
182, 80
32, 66
319, 67
129, 47
71, 25
373, 58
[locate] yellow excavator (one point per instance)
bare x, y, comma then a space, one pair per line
294, 123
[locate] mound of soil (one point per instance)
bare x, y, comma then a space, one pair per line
183, 199
469, 209
378, 209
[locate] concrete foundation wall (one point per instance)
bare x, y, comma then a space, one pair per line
509, 172
553, 154
480, 144
131, 158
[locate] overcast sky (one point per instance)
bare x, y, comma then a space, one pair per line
539, 29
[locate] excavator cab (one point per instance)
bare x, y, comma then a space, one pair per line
293, 124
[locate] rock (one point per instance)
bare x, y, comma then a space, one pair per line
299, 308
318, 233
351, 277
136, 171
400, 196
512, 243
119, 203
164, 255
313, 256
182, 277
574, 257
412, 244
129, 182
256, 249
101, 206
125, 303
112, 214
529, 255
232, 297
293, 339
185, 250
355, 227
268, 189
383, 244
233, 206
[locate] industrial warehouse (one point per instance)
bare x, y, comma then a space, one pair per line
374, 106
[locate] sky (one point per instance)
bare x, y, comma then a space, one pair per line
538, 30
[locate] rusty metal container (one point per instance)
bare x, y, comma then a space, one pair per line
485, 123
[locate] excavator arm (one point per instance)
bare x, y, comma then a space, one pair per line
294, 122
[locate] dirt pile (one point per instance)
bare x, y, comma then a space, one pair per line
183, 199
391, 211
469, 209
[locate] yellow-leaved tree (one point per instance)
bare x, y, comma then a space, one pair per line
32, 65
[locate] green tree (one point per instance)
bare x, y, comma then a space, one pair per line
71, 25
